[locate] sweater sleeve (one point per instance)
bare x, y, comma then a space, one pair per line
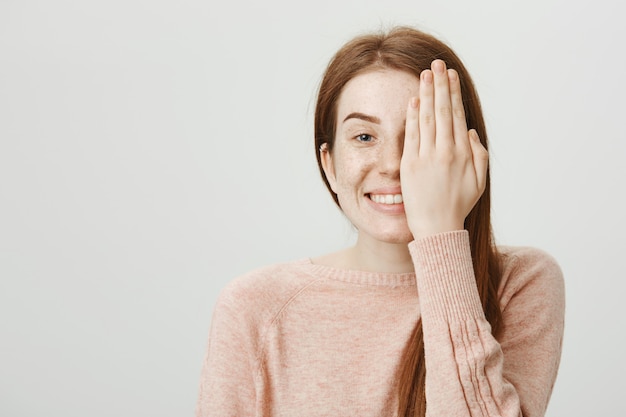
227, 382
468, 371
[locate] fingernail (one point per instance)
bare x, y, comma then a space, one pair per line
413, 102
452, 75
438, 66
427, 76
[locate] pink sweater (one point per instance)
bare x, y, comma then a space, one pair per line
300, 339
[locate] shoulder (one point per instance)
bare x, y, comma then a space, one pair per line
530, 270
528, 259
269, 283
259, 295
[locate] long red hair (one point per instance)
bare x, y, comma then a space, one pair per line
411, 50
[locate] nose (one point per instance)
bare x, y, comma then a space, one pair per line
389, 157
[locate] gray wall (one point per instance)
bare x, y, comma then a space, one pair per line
151, 151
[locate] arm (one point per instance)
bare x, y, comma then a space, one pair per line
468, 371
443, 174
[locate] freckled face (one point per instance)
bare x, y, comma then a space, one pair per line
363, 168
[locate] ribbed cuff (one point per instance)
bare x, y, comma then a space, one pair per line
445, 277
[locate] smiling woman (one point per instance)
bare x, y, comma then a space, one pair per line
364, 166
424, 315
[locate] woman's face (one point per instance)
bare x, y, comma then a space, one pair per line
364, 167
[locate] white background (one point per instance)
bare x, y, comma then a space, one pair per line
151, 151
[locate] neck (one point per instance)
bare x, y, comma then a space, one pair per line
372, 255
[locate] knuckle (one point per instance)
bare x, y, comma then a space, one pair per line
445, 155
444, 111
482, 153
459, 113
427, 118
465, 154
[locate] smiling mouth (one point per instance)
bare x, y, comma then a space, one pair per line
386, 198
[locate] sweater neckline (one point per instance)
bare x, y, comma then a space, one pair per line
353, 276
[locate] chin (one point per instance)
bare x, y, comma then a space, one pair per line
394, 236
404, 239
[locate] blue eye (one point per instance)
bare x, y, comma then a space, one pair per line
364, 137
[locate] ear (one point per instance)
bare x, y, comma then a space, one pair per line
327, 165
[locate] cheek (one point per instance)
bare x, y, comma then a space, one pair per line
351, 172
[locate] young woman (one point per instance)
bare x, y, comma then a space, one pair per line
424, 315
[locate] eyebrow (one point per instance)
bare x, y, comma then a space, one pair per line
361, 116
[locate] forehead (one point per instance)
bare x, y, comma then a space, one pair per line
378, 93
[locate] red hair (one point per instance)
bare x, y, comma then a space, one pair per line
410, 50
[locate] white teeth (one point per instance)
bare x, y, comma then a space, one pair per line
386, 198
